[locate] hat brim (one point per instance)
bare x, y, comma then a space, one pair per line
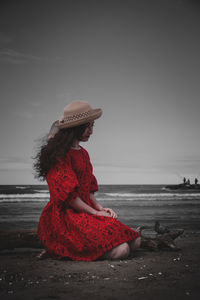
96, 113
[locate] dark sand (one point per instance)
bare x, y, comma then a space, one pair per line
147, 275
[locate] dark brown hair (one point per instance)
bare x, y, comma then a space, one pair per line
54, 148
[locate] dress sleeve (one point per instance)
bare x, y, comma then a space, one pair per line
93, 185
93, 181
63, 183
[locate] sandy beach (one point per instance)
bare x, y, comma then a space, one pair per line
146, 275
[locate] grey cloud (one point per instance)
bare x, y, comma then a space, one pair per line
12, 159
15, 57
5, 39
28, 114
35, 104
14, 163
32, 109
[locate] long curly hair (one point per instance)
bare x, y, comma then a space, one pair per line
56, 148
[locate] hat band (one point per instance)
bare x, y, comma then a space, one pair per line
76, 117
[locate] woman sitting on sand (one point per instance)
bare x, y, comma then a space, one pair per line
73, 224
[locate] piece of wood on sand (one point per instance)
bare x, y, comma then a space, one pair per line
11, 239
165, 241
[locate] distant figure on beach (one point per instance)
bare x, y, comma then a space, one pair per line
184, 180
188, 182
74, 224
196, 181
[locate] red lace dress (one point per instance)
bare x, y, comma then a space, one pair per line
65, 232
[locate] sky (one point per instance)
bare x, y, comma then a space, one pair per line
138, 60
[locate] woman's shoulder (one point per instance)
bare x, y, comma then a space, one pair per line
71, 156
60, 166
85, 152
80, 151
83, 149
61, 162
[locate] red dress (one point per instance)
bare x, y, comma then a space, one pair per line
65, 232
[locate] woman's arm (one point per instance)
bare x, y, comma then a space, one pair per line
95, 202
100, 208
81, 206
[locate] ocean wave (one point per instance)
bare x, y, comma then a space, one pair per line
44, 195
38, 200
120, 194
35, 196
41, 191
21, 187
151, 195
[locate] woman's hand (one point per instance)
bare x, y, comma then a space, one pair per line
99, 207
110, 212
102, 213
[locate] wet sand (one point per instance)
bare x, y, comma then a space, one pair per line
146, 275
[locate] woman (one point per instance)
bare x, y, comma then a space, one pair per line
73, 224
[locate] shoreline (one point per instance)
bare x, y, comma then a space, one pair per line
145, 275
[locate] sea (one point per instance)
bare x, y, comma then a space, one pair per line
135, 205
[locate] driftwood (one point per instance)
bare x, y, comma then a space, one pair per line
11, 239
28, 239
160, 241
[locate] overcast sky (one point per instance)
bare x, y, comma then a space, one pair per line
137, 60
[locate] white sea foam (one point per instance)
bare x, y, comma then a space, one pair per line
13, 196
21, 187
41, 191
17, 200
152, 195
44, 195
120, 194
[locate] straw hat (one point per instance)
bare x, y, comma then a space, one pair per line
78, 113
53, 130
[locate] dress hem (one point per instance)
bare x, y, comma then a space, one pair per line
96, 257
